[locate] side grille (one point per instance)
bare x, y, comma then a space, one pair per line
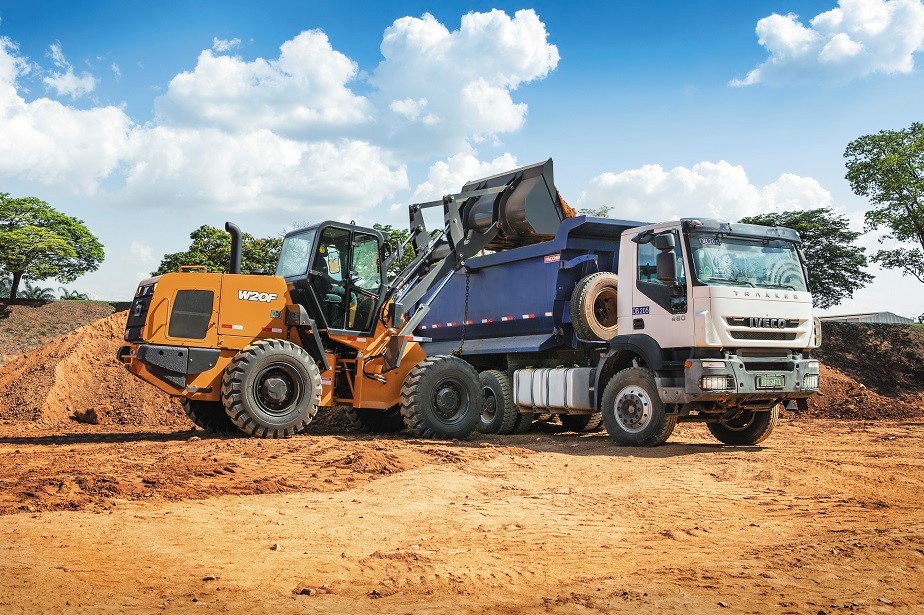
192, 311
762, 334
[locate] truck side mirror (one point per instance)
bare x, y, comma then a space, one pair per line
666, 267
664, 241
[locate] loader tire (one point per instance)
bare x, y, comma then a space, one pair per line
581, 422
593, 307
498, 414
271, 389
376, 421
524, 422
633, 412
441, 398
209, 415
748, 429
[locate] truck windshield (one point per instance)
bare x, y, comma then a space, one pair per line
295, 254
758, 262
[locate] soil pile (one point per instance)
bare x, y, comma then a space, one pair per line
77, 377
842, 397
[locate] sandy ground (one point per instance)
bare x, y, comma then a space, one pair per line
827, 516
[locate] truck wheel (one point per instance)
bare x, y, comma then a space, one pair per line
271, 389
581, 422
523, 423
441, 398
593, 306
498, 414
749, 428
376, 421
209, 415
633, 412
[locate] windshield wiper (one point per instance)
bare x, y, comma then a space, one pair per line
732, 280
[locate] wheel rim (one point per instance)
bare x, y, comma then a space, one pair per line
277, 389
605, 308
633, 409
740, 422
450, 399
488, 406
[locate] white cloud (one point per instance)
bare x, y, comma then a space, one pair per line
64, 81
448, 176
222, 44
116, 70
142, 253
463, 78
52, 143
707, 189
858, 38
302, 92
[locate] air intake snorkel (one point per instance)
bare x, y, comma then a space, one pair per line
234, 266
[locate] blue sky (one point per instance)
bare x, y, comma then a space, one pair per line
149, 119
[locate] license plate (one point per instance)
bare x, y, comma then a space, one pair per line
770, 382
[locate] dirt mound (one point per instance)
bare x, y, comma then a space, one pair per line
842, 397
26, 324
889, 359
77, 377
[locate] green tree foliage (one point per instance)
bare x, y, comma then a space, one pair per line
39, 242
397, 236
597, 212
72, 295
6, 283
888, 169
835, 265
211, 247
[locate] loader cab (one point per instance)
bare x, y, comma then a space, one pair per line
336, 272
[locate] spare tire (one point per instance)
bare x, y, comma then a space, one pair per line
593, 307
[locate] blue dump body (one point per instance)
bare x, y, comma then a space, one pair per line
519, 299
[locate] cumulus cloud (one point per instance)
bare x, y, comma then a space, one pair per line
53, 143
64, 81
858, 38
222, 44
708, 189
448, 176
458, 84
302, 92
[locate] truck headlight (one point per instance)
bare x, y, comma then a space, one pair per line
719, 364
717, 383
810, 381
813, 364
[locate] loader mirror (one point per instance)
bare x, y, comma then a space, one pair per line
664, 241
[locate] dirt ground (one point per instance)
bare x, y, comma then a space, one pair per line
827, 517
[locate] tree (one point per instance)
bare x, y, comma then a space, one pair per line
399, 236
888, 169
40, 293
835, 265
211, 247
6, 283
597, 212
39, 242
72, 295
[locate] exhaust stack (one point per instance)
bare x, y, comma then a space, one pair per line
234, 266
529, 211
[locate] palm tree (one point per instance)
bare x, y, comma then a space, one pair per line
38, 292
6, 285
72, 295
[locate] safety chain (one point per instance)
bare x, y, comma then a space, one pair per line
468, 276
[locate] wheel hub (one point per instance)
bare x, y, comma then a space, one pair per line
447, 399
633, 409
275, 389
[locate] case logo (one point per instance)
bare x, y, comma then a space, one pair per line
252, 295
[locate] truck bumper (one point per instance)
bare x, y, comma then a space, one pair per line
743, 380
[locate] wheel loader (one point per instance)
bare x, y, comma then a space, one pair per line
261, 353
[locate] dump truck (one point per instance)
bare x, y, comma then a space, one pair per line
515, 307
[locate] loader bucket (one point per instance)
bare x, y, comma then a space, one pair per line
530, 211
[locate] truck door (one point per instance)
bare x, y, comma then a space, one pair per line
659, 309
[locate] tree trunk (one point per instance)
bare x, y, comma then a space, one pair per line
14, 289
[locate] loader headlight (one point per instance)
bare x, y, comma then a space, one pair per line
146, 290
810, 381
717, 383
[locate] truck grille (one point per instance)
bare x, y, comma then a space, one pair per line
763, 335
